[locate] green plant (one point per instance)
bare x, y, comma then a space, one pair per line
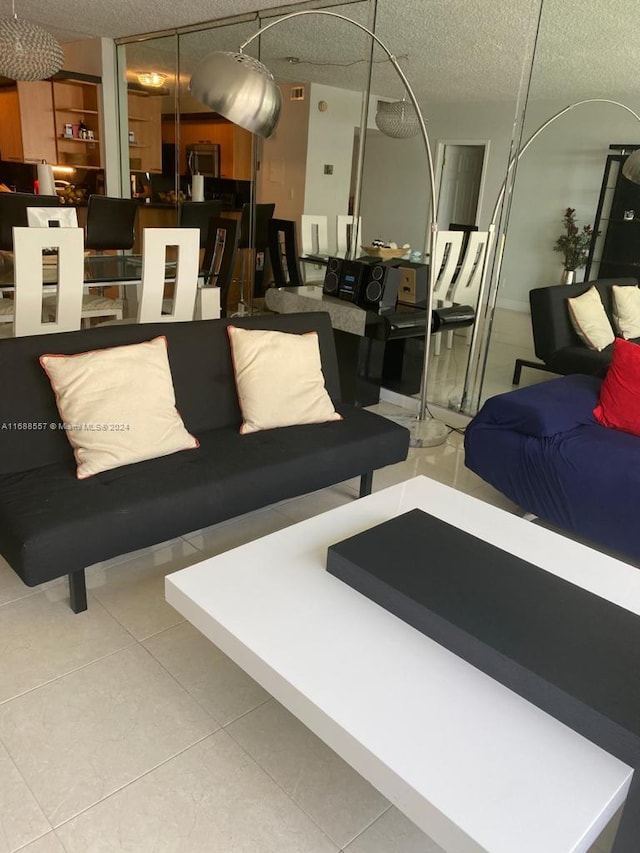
574, 245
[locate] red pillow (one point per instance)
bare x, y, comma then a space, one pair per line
619, 405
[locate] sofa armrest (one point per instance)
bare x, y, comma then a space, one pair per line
544, 409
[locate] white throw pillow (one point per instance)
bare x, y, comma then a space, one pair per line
118, 405
626, 310
279, 379
590, 320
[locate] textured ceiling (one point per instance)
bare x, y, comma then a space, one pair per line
450, 49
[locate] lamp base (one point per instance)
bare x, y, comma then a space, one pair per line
429, 432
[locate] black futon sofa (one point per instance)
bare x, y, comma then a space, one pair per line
52, 524
555, 340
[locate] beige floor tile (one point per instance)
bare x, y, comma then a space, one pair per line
42, 638
12, 588
47, 844
213, 679
230, 534
306, 506
21, 818
132, 590
394, 833
212, 798
78, 739
337, 798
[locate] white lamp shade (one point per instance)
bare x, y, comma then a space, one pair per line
239, 88
397, 119
27, 52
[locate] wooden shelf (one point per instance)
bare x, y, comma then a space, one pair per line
77, 110
81, 141
138, 118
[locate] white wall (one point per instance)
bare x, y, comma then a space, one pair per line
281, 176
563, 168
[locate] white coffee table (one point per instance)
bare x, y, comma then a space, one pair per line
470, 762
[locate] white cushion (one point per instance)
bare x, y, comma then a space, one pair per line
279, 379
590, 320
118, 405
626, 310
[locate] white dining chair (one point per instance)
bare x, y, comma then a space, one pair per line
152, 306
30, 315
314, 234
447, 257
466, 283
345, 226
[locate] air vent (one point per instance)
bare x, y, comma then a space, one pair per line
297, 93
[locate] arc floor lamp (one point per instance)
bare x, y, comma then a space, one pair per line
630, 170
244, 91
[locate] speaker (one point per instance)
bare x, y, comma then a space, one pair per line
414, 281
332, 276
381, 289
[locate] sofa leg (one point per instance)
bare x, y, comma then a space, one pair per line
366, 483
77, 591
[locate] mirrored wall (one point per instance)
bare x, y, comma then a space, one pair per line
470, 71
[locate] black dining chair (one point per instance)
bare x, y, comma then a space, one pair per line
13, 212
254, 235
220, 254
110, 223
283, 251
198, 214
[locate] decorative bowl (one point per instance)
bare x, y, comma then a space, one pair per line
385, 254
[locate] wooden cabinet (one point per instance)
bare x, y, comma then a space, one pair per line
27, 126
145, 133
234, 142
77, 103
33, 117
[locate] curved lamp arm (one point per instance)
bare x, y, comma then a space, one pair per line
500, 251
430, 237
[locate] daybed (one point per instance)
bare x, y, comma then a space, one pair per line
543, 448
53, 524
556, 342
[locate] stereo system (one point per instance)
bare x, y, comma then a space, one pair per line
373, 286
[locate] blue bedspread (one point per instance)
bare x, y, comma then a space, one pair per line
542, 447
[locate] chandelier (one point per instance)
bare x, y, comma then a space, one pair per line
397, 119
27, 52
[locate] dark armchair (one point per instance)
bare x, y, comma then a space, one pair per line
556, 343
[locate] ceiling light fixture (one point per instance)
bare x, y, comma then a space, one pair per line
27, 52
397, 119
152, 78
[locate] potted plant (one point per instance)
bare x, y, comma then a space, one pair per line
574, 245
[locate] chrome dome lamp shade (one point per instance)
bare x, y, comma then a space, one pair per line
27, 52
240, 88
631, 167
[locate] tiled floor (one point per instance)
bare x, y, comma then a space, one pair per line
123, 729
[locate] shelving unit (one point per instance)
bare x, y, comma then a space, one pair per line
616, 252
145, 152
77, 101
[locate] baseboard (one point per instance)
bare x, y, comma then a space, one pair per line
514, 305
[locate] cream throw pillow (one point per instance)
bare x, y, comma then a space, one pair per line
279, 379
590, 320
626, 310
118, 405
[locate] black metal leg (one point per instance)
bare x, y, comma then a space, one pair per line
77, 591
366, 483
517, 370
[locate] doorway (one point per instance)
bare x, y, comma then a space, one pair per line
460, 177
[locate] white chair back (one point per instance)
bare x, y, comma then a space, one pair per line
154, 248
447, 255
52, 217
28, 245
314, 234
467, 284
346, 228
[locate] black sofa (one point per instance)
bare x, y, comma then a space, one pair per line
555, 340
52, 524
